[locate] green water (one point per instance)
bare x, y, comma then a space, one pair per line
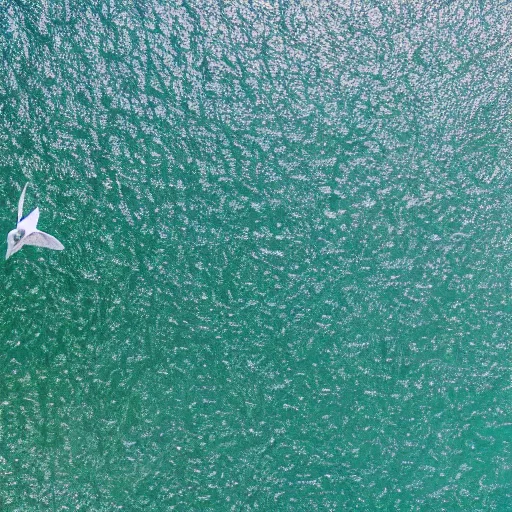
286, 282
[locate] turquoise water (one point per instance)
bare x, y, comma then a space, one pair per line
286, 282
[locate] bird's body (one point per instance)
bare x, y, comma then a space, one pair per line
26, 232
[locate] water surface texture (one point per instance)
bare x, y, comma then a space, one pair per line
286, 282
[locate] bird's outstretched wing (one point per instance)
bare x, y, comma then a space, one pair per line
20, 204
41, 239
29, 223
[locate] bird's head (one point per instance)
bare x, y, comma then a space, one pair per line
14, 239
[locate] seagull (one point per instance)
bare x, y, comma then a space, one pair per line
27, 234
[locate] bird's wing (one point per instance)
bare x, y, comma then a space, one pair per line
40, 239
21, 201
29, 223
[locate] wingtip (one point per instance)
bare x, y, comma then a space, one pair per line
21, 201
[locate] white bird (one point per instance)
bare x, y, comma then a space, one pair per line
26, 232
